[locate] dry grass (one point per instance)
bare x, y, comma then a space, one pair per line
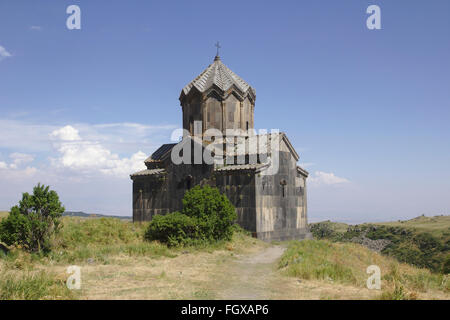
117, 264
3, 214
345, 264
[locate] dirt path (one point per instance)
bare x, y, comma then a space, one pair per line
223, 274
252, 276
255, 276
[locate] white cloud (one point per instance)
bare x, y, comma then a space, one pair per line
90, 157
20, 158
28, 171
4, 54
123, 138
67, 133
124, 167
87, 164
12, 172
82, 150
36, 28
324, 178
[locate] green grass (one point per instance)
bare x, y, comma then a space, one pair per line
33, 286
335, 226
97, 240
438, 226
320, 260
84, 241
422, 241
346, 263
109, 241
79, 231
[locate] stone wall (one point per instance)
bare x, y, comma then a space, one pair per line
215, 112
272, 207
239, 187
281, 202
162, 194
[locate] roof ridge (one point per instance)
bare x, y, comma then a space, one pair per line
218, 74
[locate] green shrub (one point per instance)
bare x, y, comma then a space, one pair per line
174, 229
207, 217
322, 230
213, 211
33, 222
420, 249
413, 246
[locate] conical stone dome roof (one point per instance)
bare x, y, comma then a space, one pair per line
219, 77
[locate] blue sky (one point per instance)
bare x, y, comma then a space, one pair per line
367, 110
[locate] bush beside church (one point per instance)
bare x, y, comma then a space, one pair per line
207, 216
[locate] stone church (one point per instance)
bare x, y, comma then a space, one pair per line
270, 199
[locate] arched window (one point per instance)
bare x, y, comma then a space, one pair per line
283, 184
188, 182
191, 125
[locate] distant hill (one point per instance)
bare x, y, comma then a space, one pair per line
92, 215
438, 226
3, 214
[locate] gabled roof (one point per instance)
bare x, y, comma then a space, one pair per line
163, 153
220, 77
281, 136
148, 172
235, 167
160, 152
302, 171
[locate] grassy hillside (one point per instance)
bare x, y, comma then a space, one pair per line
92, 215
438, 226
346, 263
117, 263
80, 214
422, 241
109, 251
